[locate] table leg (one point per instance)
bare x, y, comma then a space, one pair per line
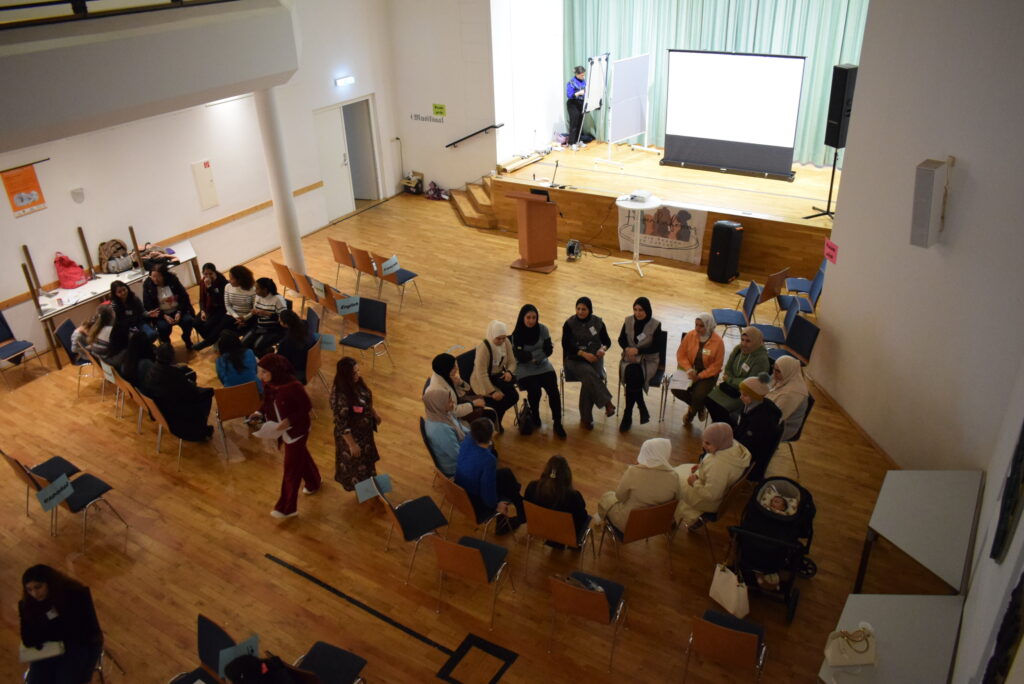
865, 555
51, 340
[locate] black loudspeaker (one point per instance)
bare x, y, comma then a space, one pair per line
724, 261
844, 76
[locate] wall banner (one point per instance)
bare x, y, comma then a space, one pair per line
23, 191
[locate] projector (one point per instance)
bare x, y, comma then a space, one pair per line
640, 196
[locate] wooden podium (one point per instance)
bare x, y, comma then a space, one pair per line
536, 217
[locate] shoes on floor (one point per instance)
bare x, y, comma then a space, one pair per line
587, 424
310, 491
702, 415
609, 410
278, 514
559, 431
688, 418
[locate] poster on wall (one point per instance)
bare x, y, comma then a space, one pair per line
672, 231
23, 191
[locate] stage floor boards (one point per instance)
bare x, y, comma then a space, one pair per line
725, 192
200, 537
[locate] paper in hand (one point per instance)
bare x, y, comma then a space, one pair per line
269, 430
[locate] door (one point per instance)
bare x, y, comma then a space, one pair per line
334, 164
362, 162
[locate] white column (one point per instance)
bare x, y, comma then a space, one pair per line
280, 187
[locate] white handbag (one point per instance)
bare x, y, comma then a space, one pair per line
729, 591
845, 649
49, 649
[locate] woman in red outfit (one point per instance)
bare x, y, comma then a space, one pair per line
285, 401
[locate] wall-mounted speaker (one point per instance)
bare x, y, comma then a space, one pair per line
931, 185
840, 105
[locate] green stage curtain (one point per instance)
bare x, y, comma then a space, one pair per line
826, 32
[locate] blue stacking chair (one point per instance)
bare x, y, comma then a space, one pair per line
415, 518
373, 327
64, 333
740, 318
800, 341
773, 334
312, 322
472, 560
808, 304
332, 664
12, 350
399, 279
803, 285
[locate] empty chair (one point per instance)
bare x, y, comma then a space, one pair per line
416, 518
13, 351
727, 640
364, 264
589, 597
400, 278
800, 339
211, 639
49, 470
312, 322
459, 499
342, 257
331, 664
642, 524
285, 278
773, 334
803, 285
305, 288
373, 326
554, 526
772, 287
472, 560
162, 424
239, 401
808, 304
743, 317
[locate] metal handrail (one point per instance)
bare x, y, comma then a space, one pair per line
482, 130
79, 10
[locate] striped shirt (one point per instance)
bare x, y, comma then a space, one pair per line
266, 309
238, 302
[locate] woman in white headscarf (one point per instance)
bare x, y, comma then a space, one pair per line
494, 370
789, 392
700, 355
444, 431
704, 485
650, 482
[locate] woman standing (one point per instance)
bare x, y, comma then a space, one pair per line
584, 343
640, 359
700, 355
167, 304
748, 359
494, 369
54, 607
531, 344
355, 421
285, 401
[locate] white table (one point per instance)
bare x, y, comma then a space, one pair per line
916, 635
635, 216
931, 515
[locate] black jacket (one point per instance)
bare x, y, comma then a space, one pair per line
759, 430
151, 301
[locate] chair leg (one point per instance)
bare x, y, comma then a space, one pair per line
792, 455
620, 619
320, 375
78, 392
497, 586
417, 291
387, 542
138, 423
159, 436
711, 547
359, 277
440, 590
224, 437
180, 443
85, 524
388, 350
526, 557
337, 272
125, 523
412, 560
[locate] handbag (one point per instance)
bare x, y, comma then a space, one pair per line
49, 649
729, 390
729, 591
120, 264
69, 274
845, 649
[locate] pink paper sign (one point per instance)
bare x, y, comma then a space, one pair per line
831, 250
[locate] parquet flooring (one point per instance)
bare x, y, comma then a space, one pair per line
199, 536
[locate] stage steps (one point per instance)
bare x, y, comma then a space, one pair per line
473, 205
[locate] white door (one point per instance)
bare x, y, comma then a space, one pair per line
334, 167
359, 135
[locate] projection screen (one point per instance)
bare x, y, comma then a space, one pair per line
732, 111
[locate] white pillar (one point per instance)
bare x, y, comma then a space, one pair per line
280, 187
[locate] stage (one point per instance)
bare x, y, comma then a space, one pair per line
771, 211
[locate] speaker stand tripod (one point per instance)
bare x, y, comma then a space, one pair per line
827, 211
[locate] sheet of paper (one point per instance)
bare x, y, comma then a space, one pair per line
679, 380
269, 430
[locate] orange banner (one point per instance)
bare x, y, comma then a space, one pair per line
23, 191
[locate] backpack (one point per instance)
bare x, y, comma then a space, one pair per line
69, 274
114, 257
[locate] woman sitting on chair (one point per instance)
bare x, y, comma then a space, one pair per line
295, 343
748, 360
703, 485
446, 376
236, 365
758, 428
137, 359
640, 359
584, 343
211, 305
700, 356
789, 392
129, 311
531, 344
185, 405
650, 482
266, 309
97, 340
167, 304
444, 431
494, 368
554, 490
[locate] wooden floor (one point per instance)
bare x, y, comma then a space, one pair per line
199, 537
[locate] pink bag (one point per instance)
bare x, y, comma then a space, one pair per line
69, 274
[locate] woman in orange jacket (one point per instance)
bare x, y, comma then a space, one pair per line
700, 355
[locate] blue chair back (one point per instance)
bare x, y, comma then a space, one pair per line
5, 330
807, 412
791, 313
373, 315
814, 291
426, 443
312, 321
211, 641
802, 336
750, 300
64, 333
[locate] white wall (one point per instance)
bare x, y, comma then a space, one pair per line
442, 55
529, 97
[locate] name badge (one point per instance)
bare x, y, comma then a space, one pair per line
357, 409
745, 367
641, 337
706, 351
51, 614
593, 331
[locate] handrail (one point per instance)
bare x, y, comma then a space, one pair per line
79, 9
482, 130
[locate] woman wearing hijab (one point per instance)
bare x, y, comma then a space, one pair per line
355, 421
650, 482
185, 405
494, 368
54, 607
748, 359
758, 428
531, 345
700, 355
286, 402
444, 431
640, 359
446, 376
789, 392
703, 485
584, 343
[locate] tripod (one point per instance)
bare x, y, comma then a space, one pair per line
827, 211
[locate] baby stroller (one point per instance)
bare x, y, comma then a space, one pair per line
773, 539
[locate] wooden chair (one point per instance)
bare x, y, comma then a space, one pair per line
49, 470
606, 605
472, 560
399, 279
161, 422
459, 499
305, 290
727, 640
364, 264
554, 526
314, 362
730, 495
416, 518
239, 401
342, 257
285, 277
642, 524
772, 289
105, 375
125, 389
